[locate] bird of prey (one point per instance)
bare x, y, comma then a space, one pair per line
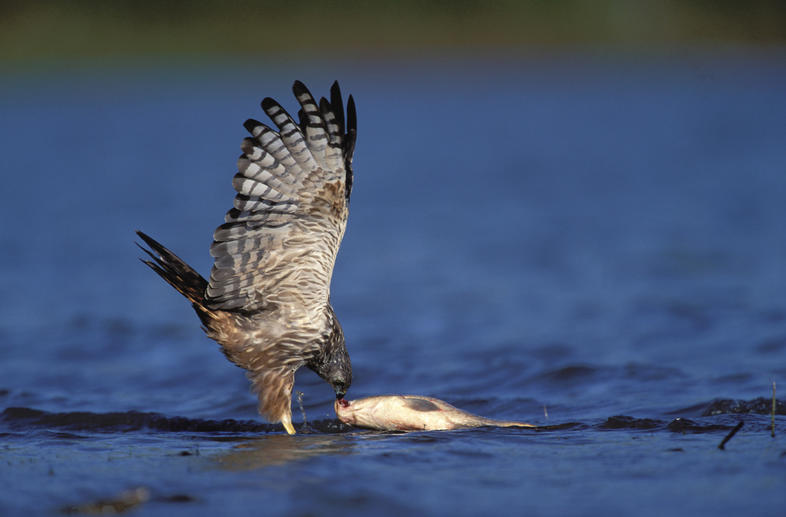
267, 302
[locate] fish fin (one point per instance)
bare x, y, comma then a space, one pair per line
421, 404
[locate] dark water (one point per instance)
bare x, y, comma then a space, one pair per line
596, 246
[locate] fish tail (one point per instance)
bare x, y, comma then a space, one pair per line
178, 274
483, 421
514, 424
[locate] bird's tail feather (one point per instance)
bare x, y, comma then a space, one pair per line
176, 272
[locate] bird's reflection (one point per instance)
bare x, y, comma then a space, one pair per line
278, 449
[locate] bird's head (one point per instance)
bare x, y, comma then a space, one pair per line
336, 369
332, 363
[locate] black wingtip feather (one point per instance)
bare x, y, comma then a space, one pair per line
250, 124
349, 142
349, 148
268, 103
337, 105
352, 130
298, 87
352, 118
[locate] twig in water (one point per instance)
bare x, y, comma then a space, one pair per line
772, 432
730, 435
302, 409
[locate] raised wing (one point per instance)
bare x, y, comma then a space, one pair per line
279, 242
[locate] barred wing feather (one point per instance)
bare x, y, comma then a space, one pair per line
279, 242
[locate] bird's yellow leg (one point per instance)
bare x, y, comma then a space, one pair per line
286, 421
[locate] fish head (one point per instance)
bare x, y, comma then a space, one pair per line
346, 411
361, 412
383, 412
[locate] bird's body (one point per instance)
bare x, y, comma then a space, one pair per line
267, 302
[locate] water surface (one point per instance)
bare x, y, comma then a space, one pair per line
596, 246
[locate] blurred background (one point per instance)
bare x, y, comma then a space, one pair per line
33, 32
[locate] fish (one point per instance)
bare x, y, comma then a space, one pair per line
411, 413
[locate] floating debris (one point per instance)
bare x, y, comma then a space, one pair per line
730, 435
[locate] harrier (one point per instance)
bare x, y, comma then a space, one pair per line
267, 302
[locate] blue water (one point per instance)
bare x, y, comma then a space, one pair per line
568, 241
